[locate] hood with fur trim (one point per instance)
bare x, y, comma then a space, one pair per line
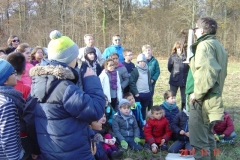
58, 71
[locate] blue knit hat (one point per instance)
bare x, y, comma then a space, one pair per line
6, 70
123, 101
62, 48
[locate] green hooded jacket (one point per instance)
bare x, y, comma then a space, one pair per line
208, 68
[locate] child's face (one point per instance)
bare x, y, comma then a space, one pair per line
12, 80
103, 119
131, 100
157, 114
142, 64
125, 109
91, 56
27, 54
115, 60
171, 100
128, 56
97, 125
106, 102
39, 54
110, 66
148, 53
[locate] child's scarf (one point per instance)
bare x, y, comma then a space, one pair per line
169, 106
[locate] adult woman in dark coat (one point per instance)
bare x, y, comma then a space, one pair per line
178, 70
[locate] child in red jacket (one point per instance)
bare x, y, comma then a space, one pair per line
156, 130
224, 130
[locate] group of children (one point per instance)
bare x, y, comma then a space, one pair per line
163, 123
128, 93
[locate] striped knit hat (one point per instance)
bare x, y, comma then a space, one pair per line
61, 48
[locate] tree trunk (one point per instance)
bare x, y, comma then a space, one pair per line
120, 17
104, 24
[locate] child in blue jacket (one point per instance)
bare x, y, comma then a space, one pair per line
63, 111
136, 110
125, 127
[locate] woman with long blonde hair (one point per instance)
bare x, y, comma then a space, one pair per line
178, 70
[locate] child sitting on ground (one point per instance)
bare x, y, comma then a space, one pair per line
179, 126
136, 110
109, 142
125, 127
96, 126
169, 106
109, 111
224, 130
156, 130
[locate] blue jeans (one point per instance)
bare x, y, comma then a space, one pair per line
230, 137
178, 145
132, 144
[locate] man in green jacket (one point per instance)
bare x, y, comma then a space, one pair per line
208, 70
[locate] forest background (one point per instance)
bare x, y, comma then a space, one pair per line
154, 22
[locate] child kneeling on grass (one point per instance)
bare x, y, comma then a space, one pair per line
109, 141
125, 127
156, 130
224, 130
179, 126
107, 149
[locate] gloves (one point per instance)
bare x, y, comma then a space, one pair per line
137, 140
124, 144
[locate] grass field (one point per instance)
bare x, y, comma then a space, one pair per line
231, 101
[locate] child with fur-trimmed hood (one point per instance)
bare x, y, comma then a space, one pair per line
63, 111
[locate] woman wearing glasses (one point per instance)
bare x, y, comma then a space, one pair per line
13, 42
